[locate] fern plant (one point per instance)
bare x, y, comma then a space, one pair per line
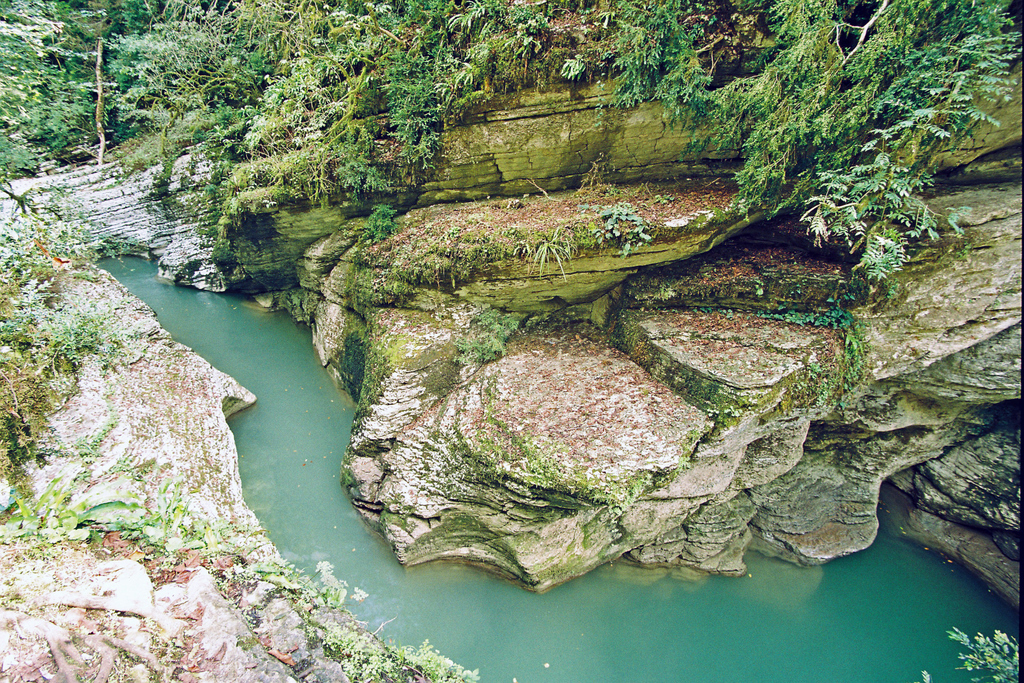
492, 330
880, 87
380, 224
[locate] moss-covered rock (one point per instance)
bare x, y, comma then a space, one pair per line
503, 451
732, 364
512, 462
955, 292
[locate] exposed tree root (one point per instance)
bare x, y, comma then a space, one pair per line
59, 640
105, 646
64, 652
129, 590
116, 603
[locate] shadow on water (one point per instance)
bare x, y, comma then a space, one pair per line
877, 616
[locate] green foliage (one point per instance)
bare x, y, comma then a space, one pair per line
835, 318
362, 658
45, 101
362, 91
333, 591
193, 60
559, 246
414, 106
658, 49
622, 227
873, 206
492, 330
58, 514
109, 247
573, 68
997, 656
170, 523
380, 224
72, 335
846, 109
880, 88
41, 343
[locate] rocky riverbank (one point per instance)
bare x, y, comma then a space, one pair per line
137, 559
804, 387
728, 383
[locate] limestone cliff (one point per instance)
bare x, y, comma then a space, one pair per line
568, 451
729, 385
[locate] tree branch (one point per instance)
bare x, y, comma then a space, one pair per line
864, 30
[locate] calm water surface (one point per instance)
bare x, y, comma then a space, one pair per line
878, 616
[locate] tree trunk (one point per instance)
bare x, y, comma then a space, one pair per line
99, 100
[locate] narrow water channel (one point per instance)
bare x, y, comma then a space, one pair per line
878, 616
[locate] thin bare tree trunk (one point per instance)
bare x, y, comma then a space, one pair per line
100, 133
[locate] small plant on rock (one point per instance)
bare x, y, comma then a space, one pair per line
493, 329
59, 514
380, 224
559, 246
622, 226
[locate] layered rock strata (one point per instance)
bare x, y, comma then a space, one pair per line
814, 386
159, 213
795, 416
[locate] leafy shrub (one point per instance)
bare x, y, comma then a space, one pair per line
998, 656
44, 106
656, 53
493, 329
380, 224
72, 335
191, 60
622, 226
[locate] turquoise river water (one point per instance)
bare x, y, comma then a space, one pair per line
878, 616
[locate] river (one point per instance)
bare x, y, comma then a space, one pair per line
878, 616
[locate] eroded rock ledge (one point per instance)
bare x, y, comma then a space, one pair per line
792, 427
693, 409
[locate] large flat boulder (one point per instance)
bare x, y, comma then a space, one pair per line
733, 363
529, 465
